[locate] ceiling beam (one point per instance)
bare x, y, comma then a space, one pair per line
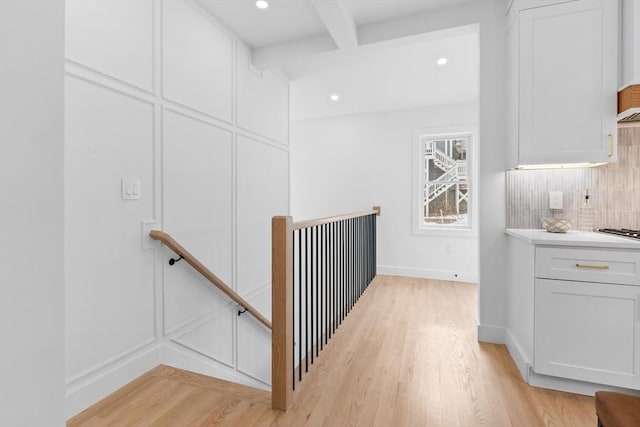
338, 21
300, 57
281, 54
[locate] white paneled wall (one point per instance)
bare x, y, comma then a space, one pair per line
152, 92
115, 38
109, 280
262, 104
194, 52
32, 213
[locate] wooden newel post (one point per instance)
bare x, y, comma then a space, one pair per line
281, 312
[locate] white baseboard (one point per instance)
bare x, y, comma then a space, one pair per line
95, 387
456, 276
574, 386
491, 334
175, 355
522, 361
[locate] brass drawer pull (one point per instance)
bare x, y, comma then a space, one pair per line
610, 136
597, 267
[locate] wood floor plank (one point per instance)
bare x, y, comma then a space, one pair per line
407, 355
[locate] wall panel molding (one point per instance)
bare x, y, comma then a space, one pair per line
184, 344
262, 139
106, 82
73, 381
197, 116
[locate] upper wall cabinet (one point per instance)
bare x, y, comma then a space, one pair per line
630, 46
563, 60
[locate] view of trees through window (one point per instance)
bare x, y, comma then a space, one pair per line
445, 190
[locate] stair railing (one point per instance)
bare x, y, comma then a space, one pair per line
204, 271
319, 270
441, 184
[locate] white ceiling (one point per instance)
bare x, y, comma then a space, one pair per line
374, 11
283, 20
397, 78
288, 20
356, 48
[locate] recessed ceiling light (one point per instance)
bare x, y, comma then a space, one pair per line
334, 97
442, 61
262, 4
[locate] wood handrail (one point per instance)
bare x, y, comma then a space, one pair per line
200, 268
313, 222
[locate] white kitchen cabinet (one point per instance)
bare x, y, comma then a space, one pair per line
562, 82
587, 332
630, 42
587, 315
573, 319
628, 106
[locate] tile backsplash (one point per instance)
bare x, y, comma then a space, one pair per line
614, 191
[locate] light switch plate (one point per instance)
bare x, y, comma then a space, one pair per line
130, 189
147, 226
555, 199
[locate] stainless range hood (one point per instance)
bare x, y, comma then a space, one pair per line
629, 104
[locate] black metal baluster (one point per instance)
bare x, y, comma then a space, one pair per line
355, 262
293, 307
343, 267
335, 277
357, 258
311, 286
375, 248
321, 284
300, 303
317, 288
351, 264
330, 281
306, 299
326, 284
358, 284
341, 249
371, 246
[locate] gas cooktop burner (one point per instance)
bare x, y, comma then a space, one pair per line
634, 234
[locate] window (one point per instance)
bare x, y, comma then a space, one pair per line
444, 181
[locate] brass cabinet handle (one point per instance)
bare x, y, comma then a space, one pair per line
610, 145
597, 267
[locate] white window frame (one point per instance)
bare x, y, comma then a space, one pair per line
419, 226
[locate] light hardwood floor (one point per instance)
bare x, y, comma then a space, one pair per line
406, 355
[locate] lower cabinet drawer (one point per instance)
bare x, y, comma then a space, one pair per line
588, 332
620, 266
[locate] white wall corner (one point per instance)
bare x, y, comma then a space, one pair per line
173, 354
491, 334
88, 391
523, 363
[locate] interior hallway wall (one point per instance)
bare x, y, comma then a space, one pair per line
158, 92
31, 213
491, 21
351, 163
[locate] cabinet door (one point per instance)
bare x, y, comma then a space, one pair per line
568, 82
587, 331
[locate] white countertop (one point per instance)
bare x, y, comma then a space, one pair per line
572, 238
